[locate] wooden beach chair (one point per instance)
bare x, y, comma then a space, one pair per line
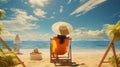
5, 44
63, 51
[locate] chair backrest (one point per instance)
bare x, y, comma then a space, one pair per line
58, 48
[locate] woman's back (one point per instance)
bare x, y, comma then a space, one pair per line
60, 48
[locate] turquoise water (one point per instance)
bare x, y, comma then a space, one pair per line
75, 44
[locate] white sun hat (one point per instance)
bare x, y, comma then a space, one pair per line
62, 28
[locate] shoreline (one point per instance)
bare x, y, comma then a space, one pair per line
81, 51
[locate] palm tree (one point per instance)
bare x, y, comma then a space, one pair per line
113, 32
2, 13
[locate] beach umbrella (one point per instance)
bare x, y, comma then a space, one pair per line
62, 28
113, 32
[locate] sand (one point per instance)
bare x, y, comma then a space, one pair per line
84, 58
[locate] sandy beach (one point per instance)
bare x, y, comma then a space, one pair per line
83, 59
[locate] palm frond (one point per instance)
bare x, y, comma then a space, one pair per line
113, 30
1, 26
2, 13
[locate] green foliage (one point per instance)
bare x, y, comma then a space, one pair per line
2, 13
1, 26
113, 30
112, 60
1, 50
3, 63
7, 59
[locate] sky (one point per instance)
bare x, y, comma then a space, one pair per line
33, 19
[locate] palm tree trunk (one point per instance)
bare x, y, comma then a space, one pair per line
115, 57
4, 43
111, 45
105, 55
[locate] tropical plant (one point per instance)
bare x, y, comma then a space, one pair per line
2, 13
112, 60
7, 59
1, 25
113, 32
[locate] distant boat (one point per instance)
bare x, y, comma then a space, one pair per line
17, 39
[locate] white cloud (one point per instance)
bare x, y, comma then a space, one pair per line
82, 1
40, 13
80, 34
69, 1
40, 3
95, 33
21, 24
22, 21
78, 15
6, 35
116, 15
37, 36
54, 13
26, 3
87, 6
52, 17
3, 1
61, 9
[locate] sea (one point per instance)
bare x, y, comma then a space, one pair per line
76, 45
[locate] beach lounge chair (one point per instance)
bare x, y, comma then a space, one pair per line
62, 51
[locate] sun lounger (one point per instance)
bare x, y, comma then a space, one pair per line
63, 51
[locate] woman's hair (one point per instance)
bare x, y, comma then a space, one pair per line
61, 38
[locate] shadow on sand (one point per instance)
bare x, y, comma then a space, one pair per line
64, 63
